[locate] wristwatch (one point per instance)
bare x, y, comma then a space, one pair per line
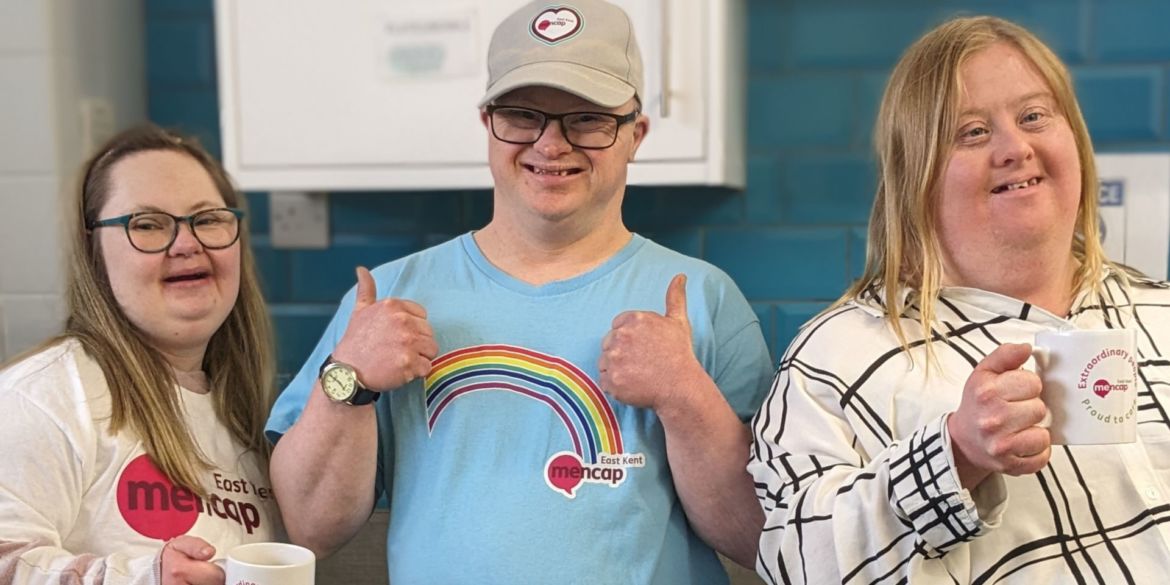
340, 383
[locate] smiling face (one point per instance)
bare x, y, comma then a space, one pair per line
179, 297
551, 183
1013, 179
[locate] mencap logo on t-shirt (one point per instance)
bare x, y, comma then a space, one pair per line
151, 504
155, 507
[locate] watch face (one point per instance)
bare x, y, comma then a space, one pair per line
338, 382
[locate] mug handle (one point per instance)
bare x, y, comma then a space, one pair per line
1040, 355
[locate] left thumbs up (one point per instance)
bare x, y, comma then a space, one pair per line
646, 357
676, 300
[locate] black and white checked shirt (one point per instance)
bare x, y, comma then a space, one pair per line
853, 467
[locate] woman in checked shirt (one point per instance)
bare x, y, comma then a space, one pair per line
901, 441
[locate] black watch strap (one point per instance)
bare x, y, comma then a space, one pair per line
364, 396
361, 394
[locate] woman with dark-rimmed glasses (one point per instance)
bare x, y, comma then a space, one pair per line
133, 445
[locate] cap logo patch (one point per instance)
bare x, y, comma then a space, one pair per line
556, 24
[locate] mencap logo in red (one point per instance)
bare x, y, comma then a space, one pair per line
556, 24
156, 508
1103, 387
151, 504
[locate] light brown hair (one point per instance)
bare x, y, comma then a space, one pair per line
914, 136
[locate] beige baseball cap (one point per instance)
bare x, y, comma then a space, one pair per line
584, 47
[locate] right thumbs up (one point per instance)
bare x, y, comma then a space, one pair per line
388, 342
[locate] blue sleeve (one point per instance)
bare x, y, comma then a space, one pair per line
292, 399
741, 365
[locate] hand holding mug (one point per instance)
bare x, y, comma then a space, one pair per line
388, 342
996, 427
186, 560
646, 357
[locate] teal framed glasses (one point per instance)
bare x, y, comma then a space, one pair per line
151, 232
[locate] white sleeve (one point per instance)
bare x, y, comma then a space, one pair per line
41, 487
835, 515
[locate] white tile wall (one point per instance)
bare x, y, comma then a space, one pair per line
27, 139
32, 236
53, 53
23, 26
30, 319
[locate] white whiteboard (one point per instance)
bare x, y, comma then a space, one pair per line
1135, 210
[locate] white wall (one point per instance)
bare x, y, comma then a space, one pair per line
53, 55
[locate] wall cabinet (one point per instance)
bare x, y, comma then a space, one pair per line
381, 94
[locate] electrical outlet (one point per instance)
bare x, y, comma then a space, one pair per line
299, 219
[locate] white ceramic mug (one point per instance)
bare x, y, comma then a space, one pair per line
270, 563
1090, 385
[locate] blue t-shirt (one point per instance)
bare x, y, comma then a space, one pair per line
508, 464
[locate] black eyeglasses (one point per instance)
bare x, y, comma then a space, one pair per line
155, 231
590, 130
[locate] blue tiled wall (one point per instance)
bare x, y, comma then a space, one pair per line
795, 237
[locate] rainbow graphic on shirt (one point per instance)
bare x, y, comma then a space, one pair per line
573, 397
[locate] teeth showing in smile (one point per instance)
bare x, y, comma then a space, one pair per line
1014, 186
544, 172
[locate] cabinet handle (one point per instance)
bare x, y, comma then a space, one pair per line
664, 55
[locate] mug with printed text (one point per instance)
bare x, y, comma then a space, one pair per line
269, 563
1089, 385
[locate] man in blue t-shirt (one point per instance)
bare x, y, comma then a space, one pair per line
550, 398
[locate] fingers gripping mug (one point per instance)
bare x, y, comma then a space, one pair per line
269, 563
1089, 385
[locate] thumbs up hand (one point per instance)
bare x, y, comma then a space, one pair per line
995, 429
388, 342
647, 358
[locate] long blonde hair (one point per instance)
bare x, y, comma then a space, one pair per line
239, 359
913, 138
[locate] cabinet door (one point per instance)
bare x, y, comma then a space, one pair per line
673, 42
375, 94
316, 83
